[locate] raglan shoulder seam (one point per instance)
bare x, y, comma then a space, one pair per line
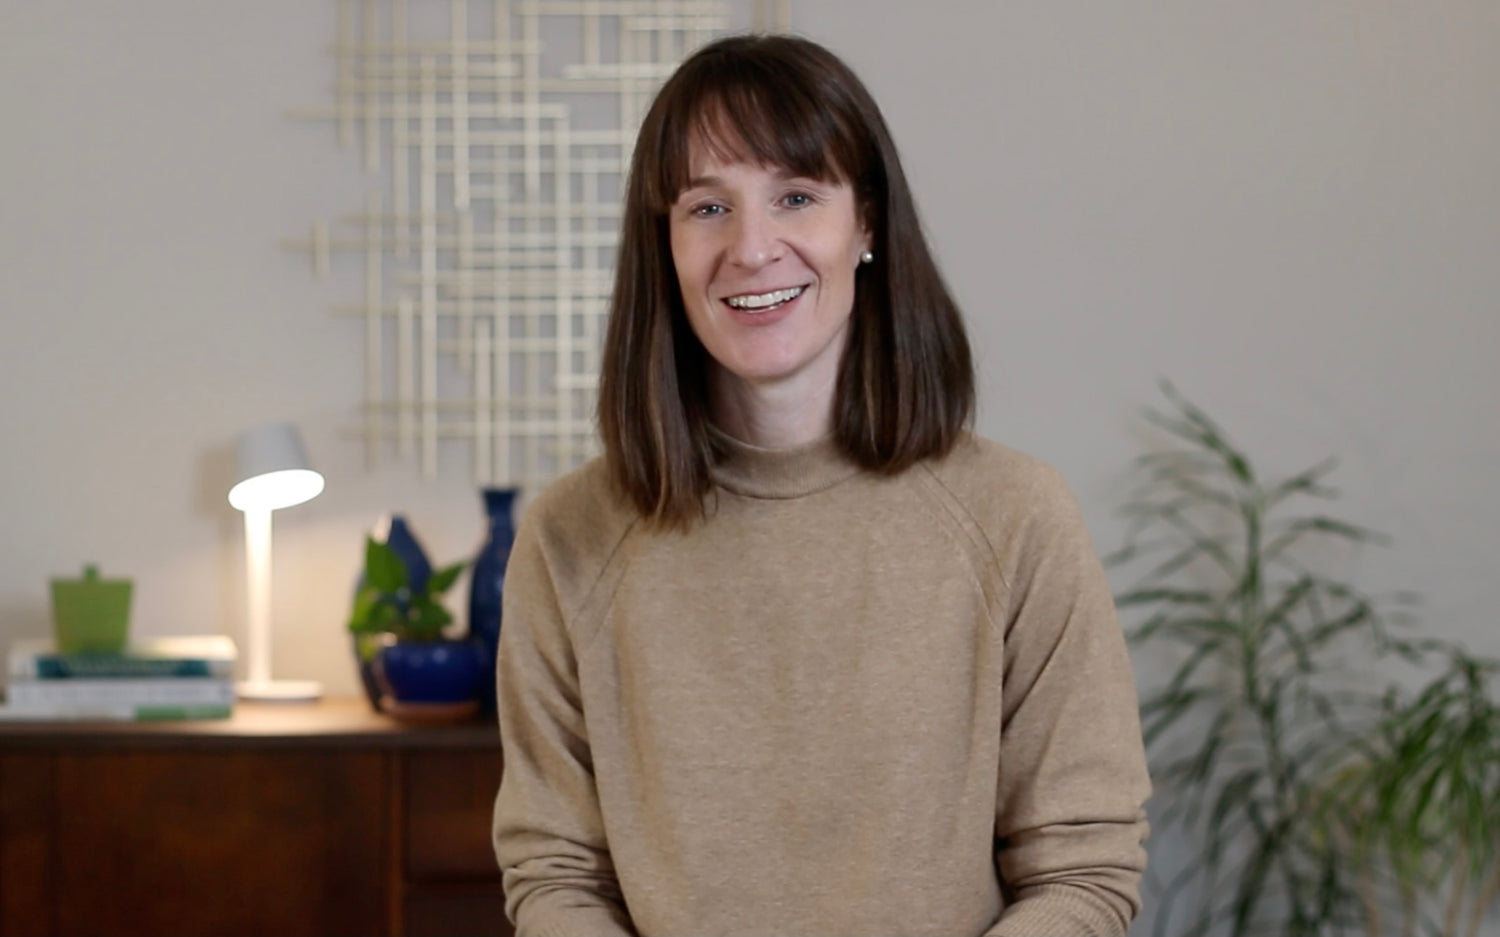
582, 642
972, 533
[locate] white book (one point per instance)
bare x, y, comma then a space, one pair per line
107, 692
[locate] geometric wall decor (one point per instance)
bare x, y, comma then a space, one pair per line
497, 136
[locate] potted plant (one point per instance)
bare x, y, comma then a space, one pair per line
1260, 704
418, 664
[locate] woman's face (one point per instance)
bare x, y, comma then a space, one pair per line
765, 261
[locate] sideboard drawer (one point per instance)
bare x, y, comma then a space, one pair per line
449, 799
448, 911
27, 818
217, 842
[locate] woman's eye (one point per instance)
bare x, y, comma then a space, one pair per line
797, 200
707, 211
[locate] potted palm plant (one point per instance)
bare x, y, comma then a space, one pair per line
422, 671
1260, 701
1314, 805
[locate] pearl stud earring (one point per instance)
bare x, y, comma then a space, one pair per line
866, 257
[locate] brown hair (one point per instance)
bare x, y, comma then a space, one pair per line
905, 388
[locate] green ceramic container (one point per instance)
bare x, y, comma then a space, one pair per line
90, 615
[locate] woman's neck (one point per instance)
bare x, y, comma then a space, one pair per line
773, 416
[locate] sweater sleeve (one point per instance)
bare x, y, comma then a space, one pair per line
1073, 783
548, 832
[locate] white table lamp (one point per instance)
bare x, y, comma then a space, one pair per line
272, 472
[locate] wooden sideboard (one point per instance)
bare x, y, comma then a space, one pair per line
322, 818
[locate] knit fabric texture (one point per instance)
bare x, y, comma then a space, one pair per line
845, 703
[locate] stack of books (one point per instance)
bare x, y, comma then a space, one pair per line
180, 677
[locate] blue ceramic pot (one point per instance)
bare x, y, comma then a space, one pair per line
487, 583
443, 671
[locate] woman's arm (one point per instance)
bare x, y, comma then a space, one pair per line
548, 833
1070, 818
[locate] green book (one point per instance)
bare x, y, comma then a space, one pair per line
116, 713
208, 655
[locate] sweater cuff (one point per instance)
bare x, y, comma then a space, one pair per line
577, 922
1057, 912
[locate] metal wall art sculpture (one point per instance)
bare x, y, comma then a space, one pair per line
500, 132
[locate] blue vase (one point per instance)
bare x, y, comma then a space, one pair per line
487, 582
442, 671
394, 532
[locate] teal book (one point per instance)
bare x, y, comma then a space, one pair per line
208, 655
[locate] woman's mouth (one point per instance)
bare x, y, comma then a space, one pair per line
761, 302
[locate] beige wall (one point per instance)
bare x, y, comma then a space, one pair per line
1290, 208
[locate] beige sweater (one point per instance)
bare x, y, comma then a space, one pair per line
846, 704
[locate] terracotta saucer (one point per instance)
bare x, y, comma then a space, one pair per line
429, 713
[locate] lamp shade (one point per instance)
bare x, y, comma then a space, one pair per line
272, 470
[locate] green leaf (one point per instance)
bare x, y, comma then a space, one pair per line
1165, 595
386, 613
367, 645
426, 620
1305, 482
444, 578
1326, 526
1162, 712
384, 568
361, 618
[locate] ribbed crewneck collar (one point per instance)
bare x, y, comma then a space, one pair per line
778, 473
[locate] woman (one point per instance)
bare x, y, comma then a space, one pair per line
799, 654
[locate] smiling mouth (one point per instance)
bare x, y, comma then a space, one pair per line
760, 302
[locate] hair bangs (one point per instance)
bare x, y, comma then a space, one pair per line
750, 111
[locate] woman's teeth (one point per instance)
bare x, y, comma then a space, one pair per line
759, 302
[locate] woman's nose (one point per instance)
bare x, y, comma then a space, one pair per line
755, 239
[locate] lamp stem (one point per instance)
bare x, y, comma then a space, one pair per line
258, 569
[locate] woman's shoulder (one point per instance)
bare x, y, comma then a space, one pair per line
579, 517
985, 473
583, 490
1014, 502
